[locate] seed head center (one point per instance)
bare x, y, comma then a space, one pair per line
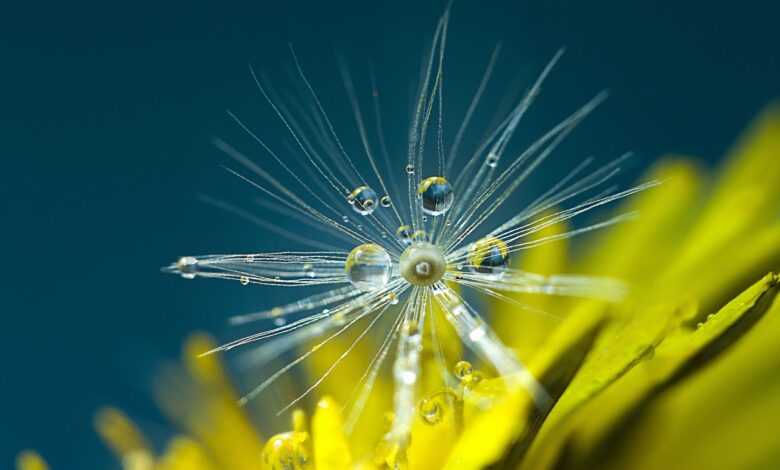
422, 264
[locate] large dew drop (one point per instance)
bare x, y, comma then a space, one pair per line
368, 267
437, 195
363, 200
489, 256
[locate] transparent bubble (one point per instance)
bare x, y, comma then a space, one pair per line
385, 201
243, 280
489, 256
363, 199
187, 267
463, 370
437, 195
404, 234
410, 169
345, 219
420, 236
430, 411
308, 270
491, 160
368, 267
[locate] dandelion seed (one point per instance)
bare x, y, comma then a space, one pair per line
400, 260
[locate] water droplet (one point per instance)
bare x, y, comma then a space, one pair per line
404, 234
280, 321
425, 218
250, 258
491, 160
420, 236
345, 219
463, 370
431, 411
288, 450
410, 169
437, 195
489, 256
308, 270
385, 201
187, 267
392, 297
244, 280
363, 200
368, 267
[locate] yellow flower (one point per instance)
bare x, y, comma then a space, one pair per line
682, 374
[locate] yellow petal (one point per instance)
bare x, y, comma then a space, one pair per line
331, 451
29, 460
601, 423
124, 438
205, 405
524, 330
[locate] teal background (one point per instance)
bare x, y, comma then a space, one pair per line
106, 111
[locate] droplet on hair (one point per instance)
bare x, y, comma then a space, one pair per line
410, 169
404, 234
244, 280
363, 200
489, 255
385, 201
491, 160
187, 266
437, 195
368, 267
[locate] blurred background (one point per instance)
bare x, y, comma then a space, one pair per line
107, 111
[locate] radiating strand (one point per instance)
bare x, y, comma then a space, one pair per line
322, 113
350, 88
297, 217
556, 135
307, 303
568, 285
365, 385
334, 182
453, 153
338, 361
462, 279
281, 163
299, 205
477, 336
506, 130
406, 369
271, 227
272, 349
413, 178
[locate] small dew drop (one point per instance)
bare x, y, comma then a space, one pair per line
431, 411
244, 280
280, 321
187, 267
250, 258
437, 195
368, 267
345, 219
404, 234
425, 218
385, 201
463, 370
410, 169
392, 298
491, 160
420, 236
308, 270
363, 200
489, 255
